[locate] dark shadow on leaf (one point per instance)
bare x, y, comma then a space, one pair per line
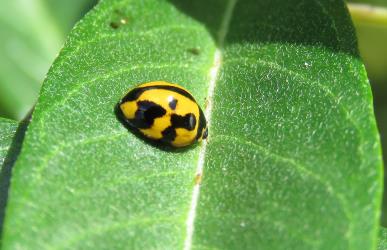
154, 143
6, 169
379, 91
210, 16
261, 22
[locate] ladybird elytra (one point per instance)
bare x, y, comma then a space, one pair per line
164, 112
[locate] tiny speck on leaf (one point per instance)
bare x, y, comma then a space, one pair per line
120, 19
194, 51
123, 20
198, 179
114, 25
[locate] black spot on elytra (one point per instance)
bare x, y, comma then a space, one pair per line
146, 114
188, 121
159, 144
169, 134
172, 104
177, 121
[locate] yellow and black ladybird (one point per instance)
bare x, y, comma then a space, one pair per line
164, 112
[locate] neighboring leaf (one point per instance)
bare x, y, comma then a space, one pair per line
292, 160
371, 27
11, 137
380, 104
67, 13
382, 245
7, 131
30, 40
370, 2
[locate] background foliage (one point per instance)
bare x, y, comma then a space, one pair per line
32, 33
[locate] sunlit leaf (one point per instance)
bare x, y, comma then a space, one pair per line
10, 143
382, 245
292, 160
7, 131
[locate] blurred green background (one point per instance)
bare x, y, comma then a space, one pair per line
33, 31
31, 35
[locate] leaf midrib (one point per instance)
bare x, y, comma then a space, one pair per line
213, 77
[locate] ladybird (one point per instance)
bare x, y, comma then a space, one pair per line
164, 112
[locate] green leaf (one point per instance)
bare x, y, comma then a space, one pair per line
7, 131
11, 137
369, 2
32, 33
382, 245
293, 157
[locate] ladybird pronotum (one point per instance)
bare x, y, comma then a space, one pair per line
164, 112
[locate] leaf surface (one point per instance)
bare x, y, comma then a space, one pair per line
9, 149
299, 173
382, 244
7, 131
292, 160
